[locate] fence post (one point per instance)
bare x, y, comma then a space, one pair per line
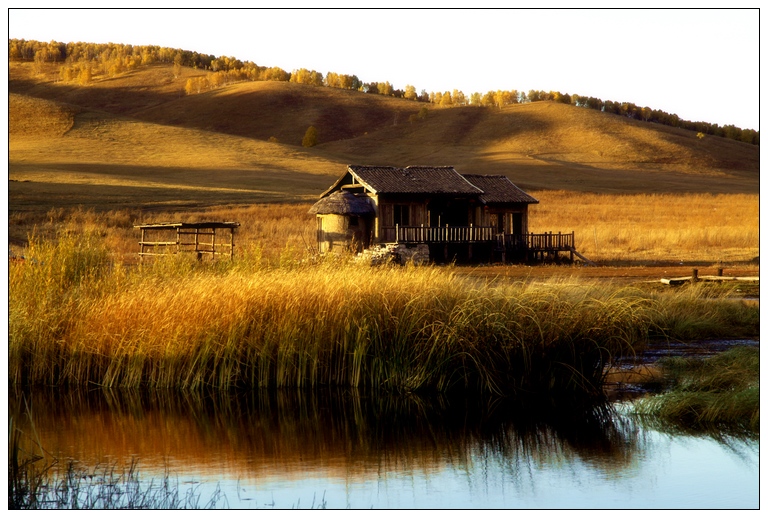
397, 232
695, 276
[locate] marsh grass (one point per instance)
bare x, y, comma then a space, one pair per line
77, 318
723, 390
704, 311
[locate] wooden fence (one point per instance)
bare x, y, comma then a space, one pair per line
200, 238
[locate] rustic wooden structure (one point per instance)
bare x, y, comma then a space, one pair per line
695, 277
457, 217
202, 239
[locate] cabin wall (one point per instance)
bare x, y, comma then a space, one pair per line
342, 232
507, 220
392, 211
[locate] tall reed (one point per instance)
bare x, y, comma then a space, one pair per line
178, 323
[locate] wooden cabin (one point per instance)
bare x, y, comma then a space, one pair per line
434, 213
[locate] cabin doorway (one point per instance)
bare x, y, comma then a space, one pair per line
517, 223
454, 213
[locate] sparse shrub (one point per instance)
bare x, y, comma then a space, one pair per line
310, 137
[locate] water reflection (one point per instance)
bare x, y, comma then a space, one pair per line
371, 449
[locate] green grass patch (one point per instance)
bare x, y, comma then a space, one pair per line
723, 390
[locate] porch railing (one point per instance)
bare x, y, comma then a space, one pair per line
547, 241
472, 234
447, 234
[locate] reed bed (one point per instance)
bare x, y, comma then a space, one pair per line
723, 390
78, 318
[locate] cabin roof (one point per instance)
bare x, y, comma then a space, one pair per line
197, 225
499, 189
413, 180
343, 202
429, 180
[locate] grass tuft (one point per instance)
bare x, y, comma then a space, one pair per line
711, 392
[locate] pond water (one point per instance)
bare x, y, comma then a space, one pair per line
341, 449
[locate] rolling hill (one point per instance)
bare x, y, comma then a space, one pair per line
138, 140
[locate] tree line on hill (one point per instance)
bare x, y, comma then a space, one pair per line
80, 62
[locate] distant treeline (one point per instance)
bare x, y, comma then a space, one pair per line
80, 62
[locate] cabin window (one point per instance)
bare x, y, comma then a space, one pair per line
402, 215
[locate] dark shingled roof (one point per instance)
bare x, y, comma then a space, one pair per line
414, 180
499, 189
343, 202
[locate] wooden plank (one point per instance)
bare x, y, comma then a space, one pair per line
573, 251
676, 282
708, 278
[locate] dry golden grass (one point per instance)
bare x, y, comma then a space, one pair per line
609, 229
706, 228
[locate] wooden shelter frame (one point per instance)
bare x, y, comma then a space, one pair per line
198, 238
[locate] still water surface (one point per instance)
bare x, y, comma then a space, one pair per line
343, 450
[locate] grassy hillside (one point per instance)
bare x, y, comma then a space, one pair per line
138, 140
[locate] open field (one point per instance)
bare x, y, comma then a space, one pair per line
671, 231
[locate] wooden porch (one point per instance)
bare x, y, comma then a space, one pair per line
526, 247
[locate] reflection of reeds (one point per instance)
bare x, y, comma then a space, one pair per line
77, 319
351, 434
35, 483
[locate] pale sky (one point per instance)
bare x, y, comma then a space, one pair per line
702, 64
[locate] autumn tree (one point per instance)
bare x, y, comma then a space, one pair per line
86, 76
384, 88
